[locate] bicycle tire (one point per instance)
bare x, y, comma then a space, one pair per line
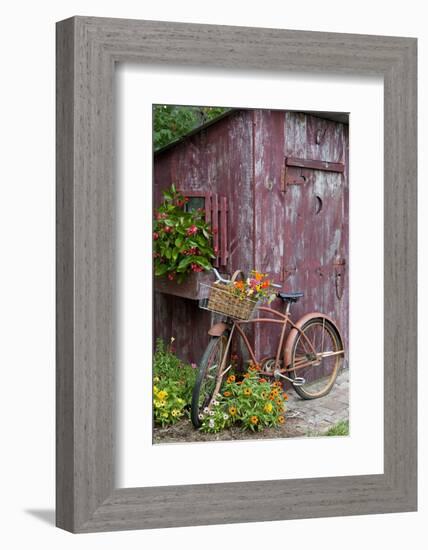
315, 388
209, 365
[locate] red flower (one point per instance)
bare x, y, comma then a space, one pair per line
155, 236
171, 276
196, 268
167, 229
192, 230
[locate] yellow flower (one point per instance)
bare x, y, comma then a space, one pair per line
254, 420
281, 419
175, 412
162, 394
264, 394
159, 404
232, 411
279, 401
156, 379
164, 415
231, 379
155, 390
247, 391
268, 407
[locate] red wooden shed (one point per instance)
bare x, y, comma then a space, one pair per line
274, 185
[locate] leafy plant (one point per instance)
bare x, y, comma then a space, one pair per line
251, 402
171, 122
173, 383
182, 240
216, 418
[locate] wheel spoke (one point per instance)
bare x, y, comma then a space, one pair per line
321, 373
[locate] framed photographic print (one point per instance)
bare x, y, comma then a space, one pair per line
236, 274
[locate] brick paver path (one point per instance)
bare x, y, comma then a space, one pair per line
316, 416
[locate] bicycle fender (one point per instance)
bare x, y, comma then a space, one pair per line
294, 332
218, 329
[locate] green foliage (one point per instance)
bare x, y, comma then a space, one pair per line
181, 240
341, 428
253, 403
171, 122
166, 365
173, 383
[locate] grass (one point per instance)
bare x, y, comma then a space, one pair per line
341, 428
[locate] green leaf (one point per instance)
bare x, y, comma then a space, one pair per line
178, 242
184, 263
161, 269
201, 261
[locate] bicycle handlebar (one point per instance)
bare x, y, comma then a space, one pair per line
222, 280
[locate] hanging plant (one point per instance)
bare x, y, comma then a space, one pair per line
182, 241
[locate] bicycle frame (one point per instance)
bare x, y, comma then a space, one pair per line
284, 320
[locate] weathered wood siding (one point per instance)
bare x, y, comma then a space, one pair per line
298, 232
217, 159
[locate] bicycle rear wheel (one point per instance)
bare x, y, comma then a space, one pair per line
207, 376
322, 373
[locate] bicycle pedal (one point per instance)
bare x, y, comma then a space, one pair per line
298, 381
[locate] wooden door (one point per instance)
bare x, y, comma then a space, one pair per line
315, 235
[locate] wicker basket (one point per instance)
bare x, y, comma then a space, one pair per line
222, 300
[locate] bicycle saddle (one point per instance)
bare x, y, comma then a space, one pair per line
290, 296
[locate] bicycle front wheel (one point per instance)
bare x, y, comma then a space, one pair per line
322, 367
204, 388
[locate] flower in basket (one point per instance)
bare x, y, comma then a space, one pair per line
182, 240
256, 287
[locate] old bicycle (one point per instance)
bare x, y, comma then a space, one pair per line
309, 357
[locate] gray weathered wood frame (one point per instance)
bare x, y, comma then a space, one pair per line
87, 50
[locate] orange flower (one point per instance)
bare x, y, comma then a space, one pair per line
285, 396
261, 380
279, 401
258, 276
247, 375
254, 420
265, 284
281, 419
239, 285
227, 393
231, 379
275, 392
